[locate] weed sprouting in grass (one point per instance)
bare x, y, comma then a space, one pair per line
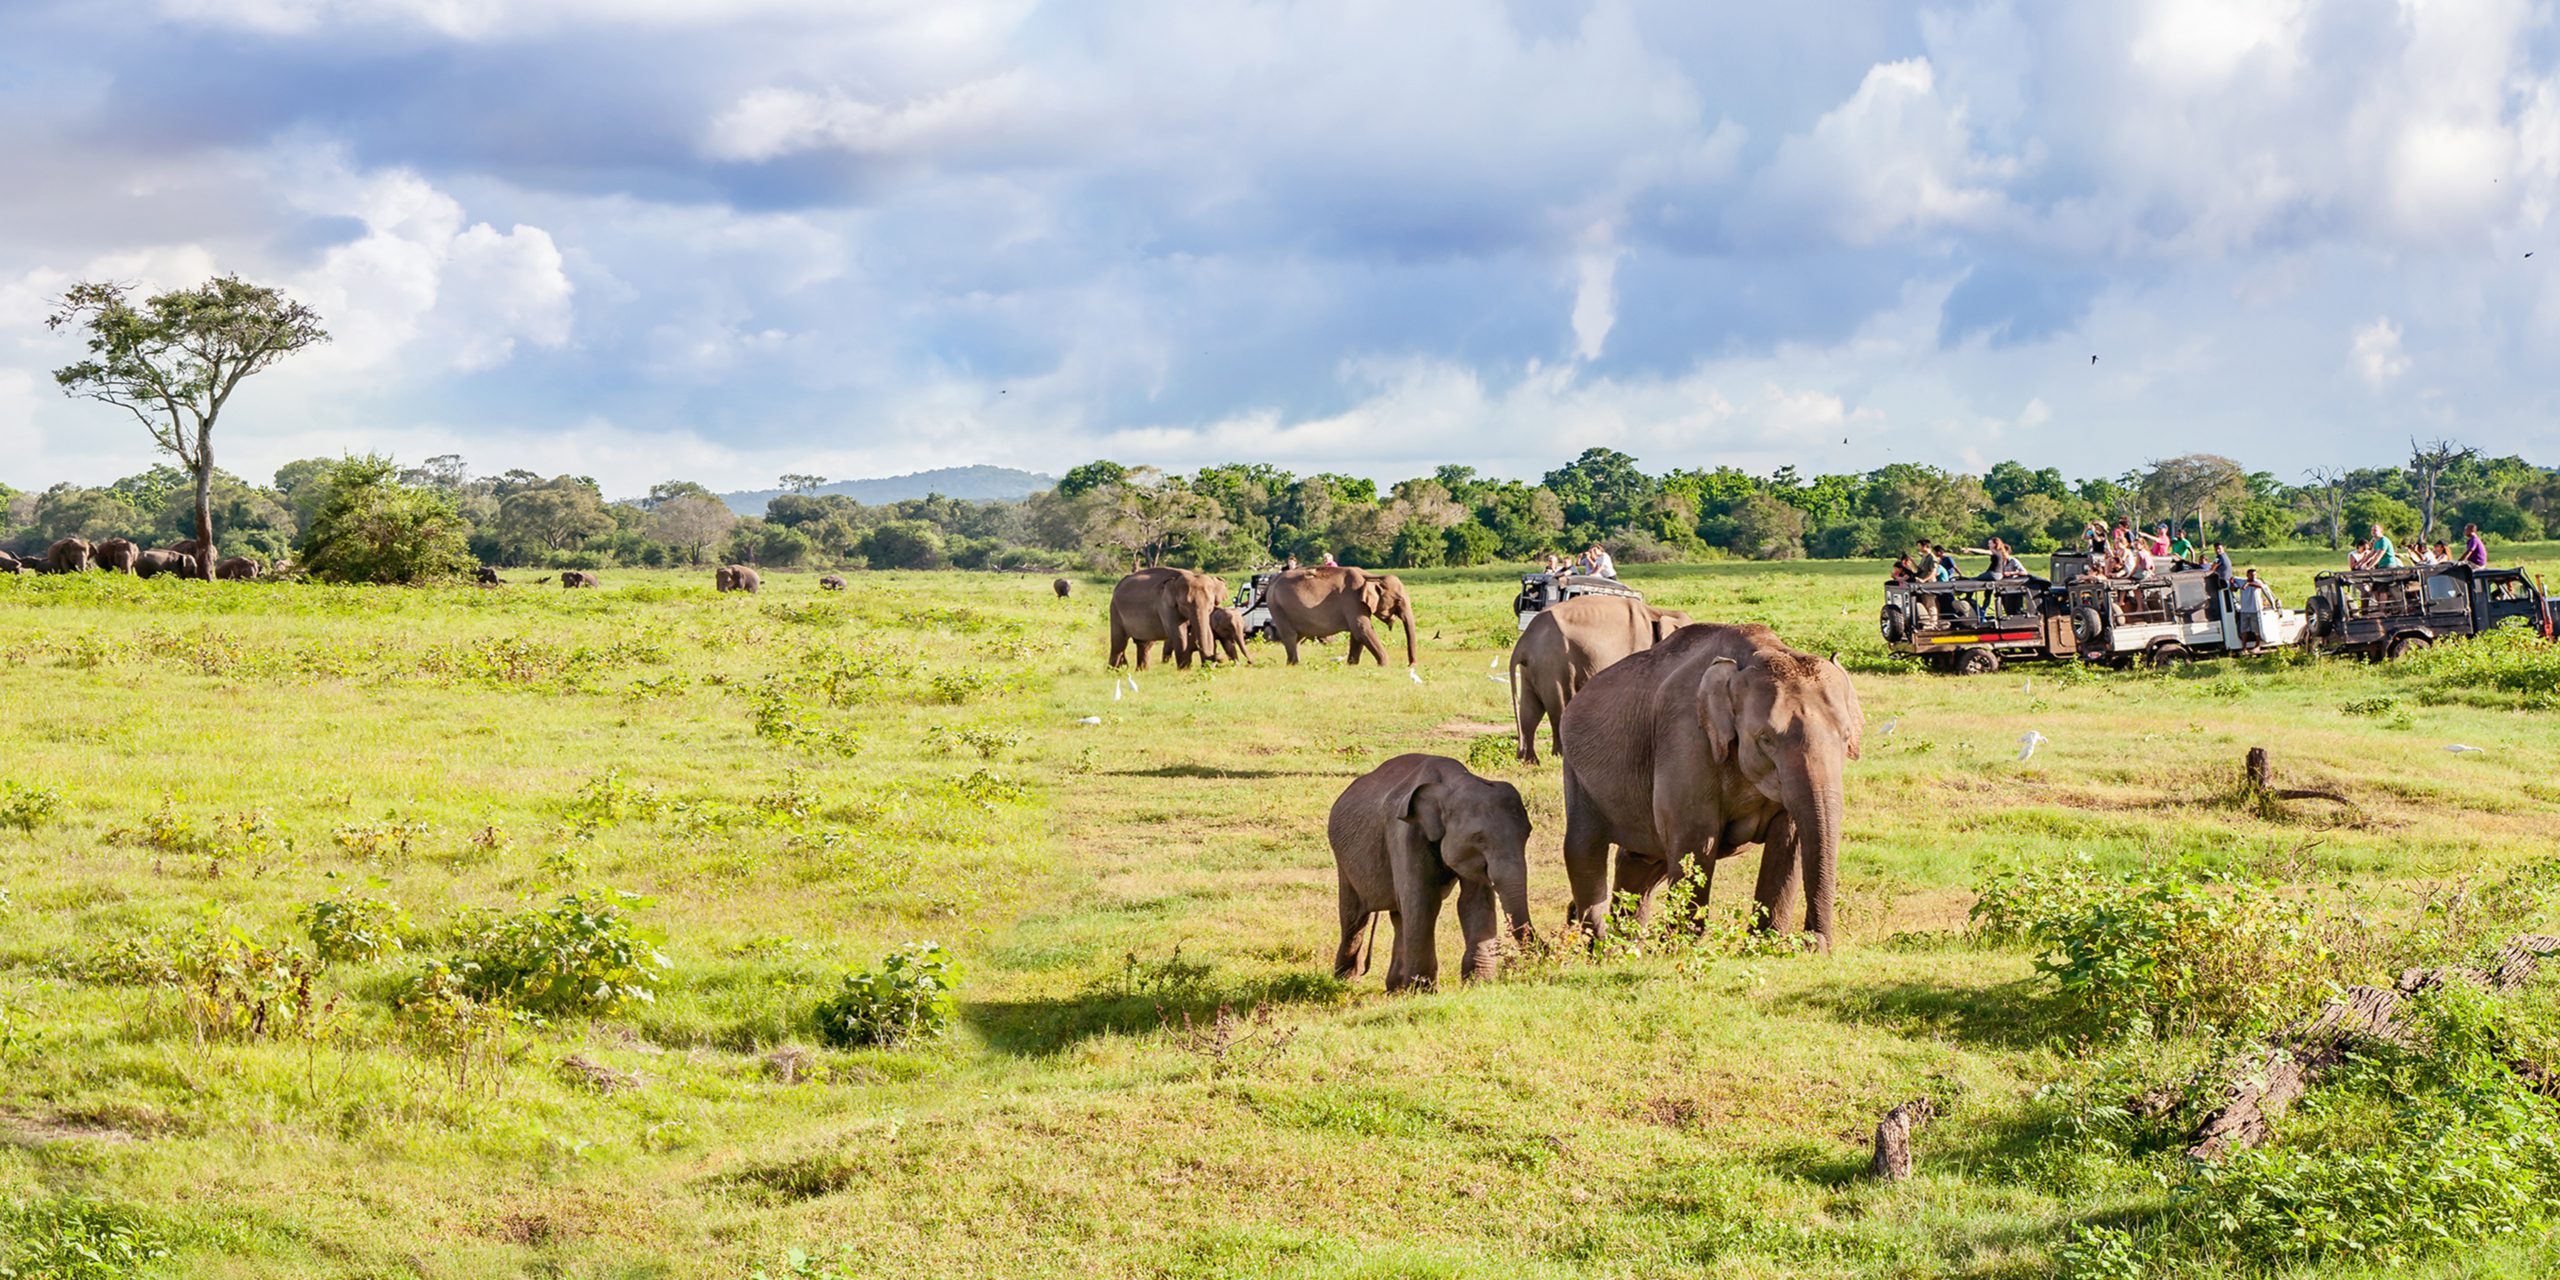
583, 954
28, 807
390, 839
986, 741
610, 797
356, 930
1493, 752
908, 997
1230, 1043
73, 1239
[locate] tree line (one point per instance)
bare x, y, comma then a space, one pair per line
439, 517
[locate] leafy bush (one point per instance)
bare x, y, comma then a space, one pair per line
582, 954
347, 930
907, 998
2148, 952
2513, 658
27, 808
76, 1240
372, 528
1493, 752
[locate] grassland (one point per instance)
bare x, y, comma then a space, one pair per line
795, 783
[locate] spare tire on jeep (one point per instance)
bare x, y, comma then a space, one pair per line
1895, 625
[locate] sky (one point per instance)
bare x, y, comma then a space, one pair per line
655, 239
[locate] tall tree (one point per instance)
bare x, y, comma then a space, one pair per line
2427, 464
799, 483
692, 522
174, 361
2193, 485
2328, 490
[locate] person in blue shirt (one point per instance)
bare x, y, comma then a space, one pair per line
2221, 563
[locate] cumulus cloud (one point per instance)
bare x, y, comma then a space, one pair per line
2375, 353
1896, 156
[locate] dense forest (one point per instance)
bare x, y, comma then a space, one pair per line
439, 517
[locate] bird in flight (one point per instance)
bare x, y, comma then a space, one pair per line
2093, 359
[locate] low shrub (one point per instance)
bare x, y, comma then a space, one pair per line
2512, 658
66, 1239
584, 954
907, 998
1493, 752
2152, 952
352, 930
28, 808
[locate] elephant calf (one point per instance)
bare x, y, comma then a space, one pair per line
153, 563
1403, 835
574, 579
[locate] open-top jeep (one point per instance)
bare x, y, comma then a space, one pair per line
1256, 606
1540, 592
2167, 618
2388, 612
1971, 625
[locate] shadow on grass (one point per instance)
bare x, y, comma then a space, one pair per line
1039, 1028
1213, 771
2012, 1015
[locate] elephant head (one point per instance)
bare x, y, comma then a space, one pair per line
1788, 722
1666, 621
1384, 596
1481, 830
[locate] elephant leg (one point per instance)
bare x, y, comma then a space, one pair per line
1397, 975
1781, 876
1586, 863
1119, 642
1288, 640
1480, 923
1417, 933
1527, 711
1643, 875
1700, 868
1352, 959
1364, 639
1142, 647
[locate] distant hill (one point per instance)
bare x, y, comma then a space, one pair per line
975, 484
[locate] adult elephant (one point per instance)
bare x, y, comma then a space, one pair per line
831, 582
1062, 587
1568, 644
735, 577
236, 569
115, 555
70, 555
573, 579
1167, 606
1315, 604
160, 560
1718, 738
487, 576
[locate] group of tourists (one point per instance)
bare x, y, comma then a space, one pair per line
1592, 563
2378, 551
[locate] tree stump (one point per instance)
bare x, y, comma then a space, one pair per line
2258, 790
1892, 1162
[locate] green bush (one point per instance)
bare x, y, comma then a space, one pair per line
2513, 658
27, 808
582, 954
347, 930
2152, 952
76, 1240
907, 998
372, 528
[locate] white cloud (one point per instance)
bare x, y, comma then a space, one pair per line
2199, 43
1595, 294
1896, 156
2375, 353
776, 122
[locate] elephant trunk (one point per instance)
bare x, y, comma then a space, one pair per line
1813, 807
1202, 640
1511, 886
1404, 615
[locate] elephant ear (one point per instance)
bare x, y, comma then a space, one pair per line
1414, 803
1719, 706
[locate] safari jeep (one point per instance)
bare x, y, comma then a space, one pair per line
1969, 626
1540, 592
2166, 618
1255, 605
2385, 613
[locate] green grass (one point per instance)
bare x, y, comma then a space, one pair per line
798, 783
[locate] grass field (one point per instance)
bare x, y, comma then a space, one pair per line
795, 783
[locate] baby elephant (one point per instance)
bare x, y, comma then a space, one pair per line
1403, 835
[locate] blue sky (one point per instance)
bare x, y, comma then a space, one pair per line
643, 239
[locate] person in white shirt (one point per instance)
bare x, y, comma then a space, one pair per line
1601, 565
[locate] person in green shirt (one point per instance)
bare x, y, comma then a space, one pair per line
2385, 555
2181, 548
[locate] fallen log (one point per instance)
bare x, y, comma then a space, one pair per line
2257, 1092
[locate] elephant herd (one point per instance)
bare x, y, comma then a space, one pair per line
1183, 610
122, 555
1681, 744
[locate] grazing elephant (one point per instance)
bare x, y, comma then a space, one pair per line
1567, 645
572, 579
1717, 738
1164, 605
1314, 604
831, 582
71, 555
1403, 835
735, 577
153, 563
115, 555
1062, 587
487, 576
236, 569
